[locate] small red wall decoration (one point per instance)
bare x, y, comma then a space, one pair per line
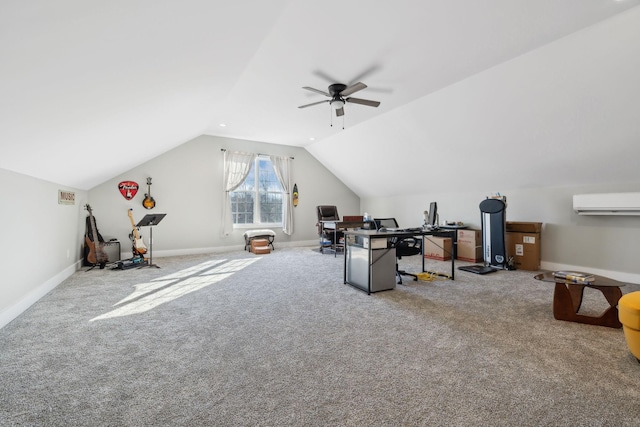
128, 189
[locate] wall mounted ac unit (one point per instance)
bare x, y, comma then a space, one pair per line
607, 204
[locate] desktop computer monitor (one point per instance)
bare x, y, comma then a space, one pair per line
433, 215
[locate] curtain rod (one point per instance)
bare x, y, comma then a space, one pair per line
260, 154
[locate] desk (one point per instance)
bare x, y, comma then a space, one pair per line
567, 299
372, 267
337, 226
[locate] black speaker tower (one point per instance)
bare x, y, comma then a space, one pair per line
494, 247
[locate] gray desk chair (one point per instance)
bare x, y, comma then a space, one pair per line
405, 246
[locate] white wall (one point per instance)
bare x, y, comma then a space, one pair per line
41, 240
187, 186
606, 245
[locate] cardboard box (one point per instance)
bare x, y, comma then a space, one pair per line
469, 245
261, 250
437, 248
375, 243
260, 246
524, 227
259, 242
523, 244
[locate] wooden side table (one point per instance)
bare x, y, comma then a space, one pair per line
567, 299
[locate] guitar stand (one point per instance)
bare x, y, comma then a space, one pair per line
150, 220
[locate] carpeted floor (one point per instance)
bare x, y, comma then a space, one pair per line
276, 340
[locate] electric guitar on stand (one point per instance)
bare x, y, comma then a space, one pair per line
139, 248
96, 254
148, 202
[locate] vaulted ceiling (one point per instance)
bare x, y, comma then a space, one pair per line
477, 94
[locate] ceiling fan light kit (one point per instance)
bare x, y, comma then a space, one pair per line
337, 93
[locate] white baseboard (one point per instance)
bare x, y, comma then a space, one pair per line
32, 297
195, 251
221, 249
616, 275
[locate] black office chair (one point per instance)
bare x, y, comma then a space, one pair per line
328, 213
405, 246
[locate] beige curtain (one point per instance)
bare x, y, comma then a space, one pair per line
236, 168
282, 168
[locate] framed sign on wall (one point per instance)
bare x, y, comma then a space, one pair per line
66, 197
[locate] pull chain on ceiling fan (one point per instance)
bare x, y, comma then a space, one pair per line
339, 94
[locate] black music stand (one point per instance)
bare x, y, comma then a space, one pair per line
150, 220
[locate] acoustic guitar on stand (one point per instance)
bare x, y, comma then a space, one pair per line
96, 254
138, 244
148, 202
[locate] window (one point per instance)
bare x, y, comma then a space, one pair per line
259, 199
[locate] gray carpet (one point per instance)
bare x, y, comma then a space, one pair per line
276, 340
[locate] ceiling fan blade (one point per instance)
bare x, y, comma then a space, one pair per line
363, 102
327, 77
321, 92
365, 73
353, 89
340, 112
313, 103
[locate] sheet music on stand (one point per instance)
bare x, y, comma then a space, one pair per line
150, 220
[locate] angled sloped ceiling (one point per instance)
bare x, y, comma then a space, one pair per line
91, 89
564, 114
